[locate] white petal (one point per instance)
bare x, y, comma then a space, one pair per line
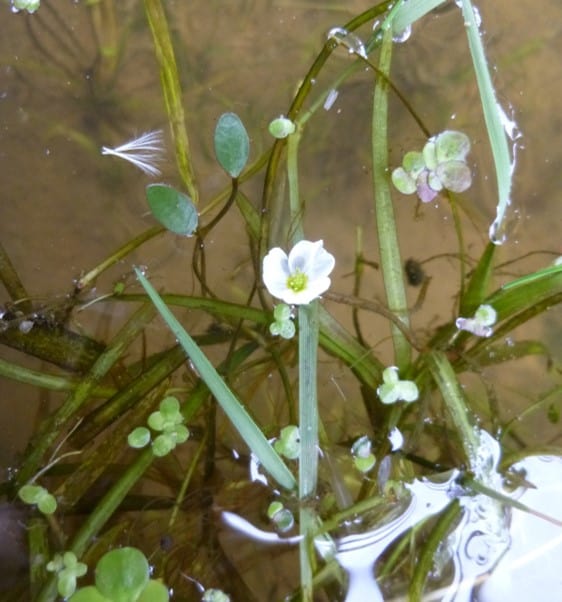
302, 254
275, 272
322, 264
396, 439
316, 287
297, 298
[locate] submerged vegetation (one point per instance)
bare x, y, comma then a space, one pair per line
137, 480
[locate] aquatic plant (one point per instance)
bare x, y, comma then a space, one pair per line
437, 462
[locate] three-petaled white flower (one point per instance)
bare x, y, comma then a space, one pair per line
300, 277
393, 389
481, 324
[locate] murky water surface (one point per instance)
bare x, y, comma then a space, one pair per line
65, 207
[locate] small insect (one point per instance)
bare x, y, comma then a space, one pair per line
414, 272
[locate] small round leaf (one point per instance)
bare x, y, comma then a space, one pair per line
454, 175
122, 574
173, 209
138, 438
451, 146
429, 155
181, 433
66, 584
163, 445
47, 503
170, 406
232, 145
157, 421
281, 127
155, 591
403, 181
413, 163
30, 494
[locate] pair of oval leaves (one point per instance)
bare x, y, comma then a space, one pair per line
174, 209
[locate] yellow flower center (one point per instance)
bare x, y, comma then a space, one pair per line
297, 281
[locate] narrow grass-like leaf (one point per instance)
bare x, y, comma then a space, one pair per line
171, 89
308, 402
232, 145
173, 209
454, 399
411, 11
528, 290
389, 249
237, 414
477, 287
494, 117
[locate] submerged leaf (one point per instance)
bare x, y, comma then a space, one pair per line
122, 574
173, 209
232, 145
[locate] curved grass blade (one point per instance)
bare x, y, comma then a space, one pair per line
495, 119
239, 417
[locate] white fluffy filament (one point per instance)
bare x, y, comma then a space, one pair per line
144, 152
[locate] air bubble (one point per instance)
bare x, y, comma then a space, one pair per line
351, 41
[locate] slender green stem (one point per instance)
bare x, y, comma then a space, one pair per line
296, 232
89, 278
38, 544
172, 92
47, 381
389, 250
308, 427
11, 280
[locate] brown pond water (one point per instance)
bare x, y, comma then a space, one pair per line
65, 207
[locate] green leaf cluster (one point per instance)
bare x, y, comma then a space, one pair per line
440, 165
36, 494
169, 421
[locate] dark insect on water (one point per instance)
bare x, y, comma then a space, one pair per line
414, 272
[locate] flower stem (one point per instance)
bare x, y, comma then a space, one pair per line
296, 232
308, 426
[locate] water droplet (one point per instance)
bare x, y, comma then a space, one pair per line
403, 36
350, 40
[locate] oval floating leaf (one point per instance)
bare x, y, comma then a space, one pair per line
122, 574
155, 591
232, 145
403, 181
173, 209
451, 145
454, 175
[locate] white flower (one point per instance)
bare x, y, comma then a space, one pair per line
302, 276
143, 152
481, 324
393, 389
